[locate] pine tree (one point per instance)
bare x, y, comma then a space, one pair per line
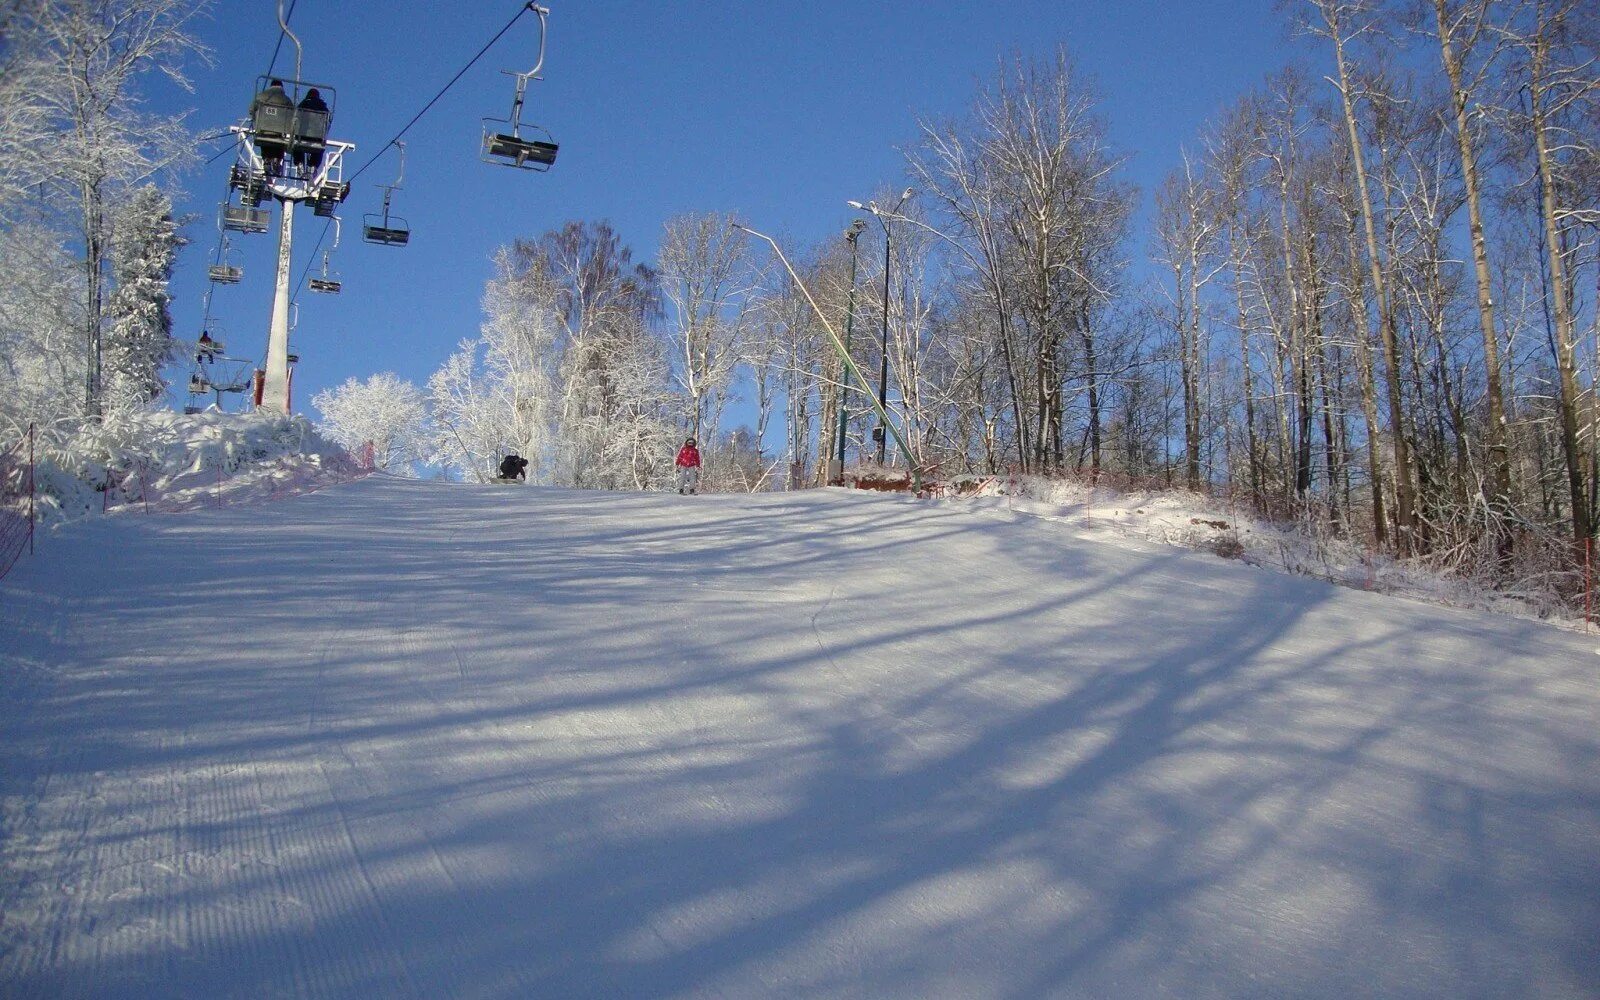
139, 338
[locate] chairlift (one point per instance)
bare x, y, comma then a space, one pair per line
245, 219
325, 200
289, 122
388, 229
509, 146
208, 348
325, 282
252, 187
198, 384
222, 272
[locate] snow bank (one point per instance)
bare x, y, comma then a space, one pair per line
171, 461
1191, 520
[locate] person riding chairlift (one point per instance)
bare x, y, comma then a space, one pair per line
270, 113
312, 127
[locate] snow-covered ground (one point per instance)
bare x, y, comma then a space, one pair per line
414, 739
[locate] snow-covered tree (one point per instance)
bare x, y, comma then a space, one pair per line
494, 394
92, 54
41, 346
385, 410
139, 338
705, 274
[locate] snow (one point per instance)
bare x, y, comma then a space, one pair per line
1175, 516
166, 461
417, 739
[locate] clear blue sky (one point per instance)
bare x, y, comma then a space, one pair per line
779, 112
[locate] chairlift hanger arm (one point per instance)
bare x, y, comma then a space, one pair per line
544, 31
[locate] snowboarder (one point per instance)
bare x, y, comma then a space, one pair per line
513, 467
688, 467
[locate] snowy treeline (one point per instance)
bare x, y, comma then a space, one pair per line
87, 236
1365, 298
591, 366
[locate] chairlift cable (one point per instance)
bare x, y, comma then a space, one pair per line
306, 271
442, 91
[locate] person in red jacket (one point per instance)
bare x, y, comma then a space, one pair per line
688, 467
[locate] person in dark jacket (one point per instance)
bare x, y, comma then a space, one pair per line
512, 467
269, 117
312, 126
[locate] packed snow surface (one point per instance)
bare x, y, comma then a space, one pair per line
414, 739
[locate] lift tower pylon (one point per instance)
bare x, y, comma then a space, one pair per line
284, 153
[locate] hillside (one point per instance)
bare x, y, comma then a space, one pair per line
417, 739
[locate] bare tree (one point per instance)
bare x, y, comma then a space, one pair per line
704, 274
1342, 22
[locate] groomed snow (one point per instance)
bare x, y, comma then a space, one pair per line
412, 739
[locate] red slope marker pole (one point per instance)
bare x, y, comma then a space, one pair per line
33, 506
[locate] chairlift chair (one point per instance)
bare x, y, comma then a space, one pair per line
252, 187
328, 283
208, 348
245, 219
329, 195
198, 384
288, 135
388, 229
508, 146
223, 272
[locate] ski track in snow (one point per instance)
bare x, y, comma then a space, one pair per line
409, 739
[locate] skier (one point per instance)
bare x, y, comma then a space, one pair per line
513, 467
688, 467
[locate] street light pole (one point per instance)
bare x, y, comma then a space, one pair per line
852, 235
838, 345
885, 219
883, 367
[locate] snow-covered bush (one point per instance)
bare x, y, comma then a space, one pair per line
175, 457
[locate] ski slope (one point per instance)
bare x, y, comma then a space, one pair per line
414, 739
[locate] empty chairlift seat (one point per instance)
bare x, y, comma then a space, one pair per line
386, 230
244, 219
225, 274
517, 151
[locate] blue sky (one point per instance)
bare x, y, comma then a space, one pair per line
779, 112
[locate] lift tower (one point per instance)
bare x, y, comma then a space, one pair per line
284, 153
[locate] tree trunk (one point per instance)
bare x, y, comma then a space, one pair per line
1405, 505
1566, 361
1499, 456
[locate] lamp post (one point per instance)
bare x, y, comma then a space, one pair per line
993, 274
850, 368
851, 236
885, 219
